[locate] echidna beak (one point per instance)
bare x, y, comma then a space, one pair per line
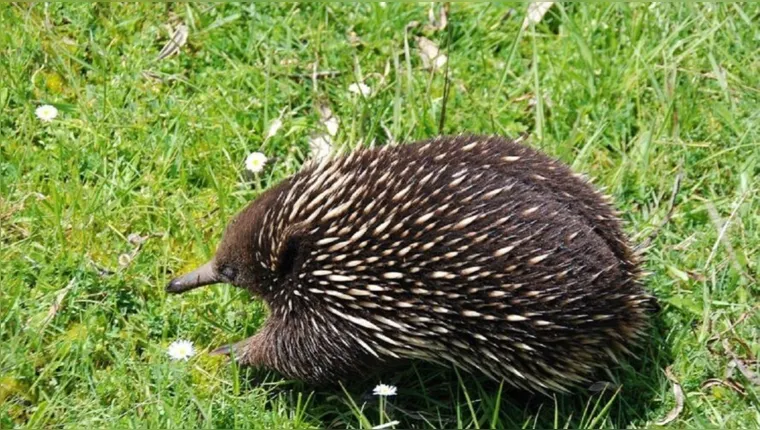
204, 275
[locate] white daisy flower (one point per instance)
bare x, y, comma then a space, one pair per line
384, 390
181, 350
46, 113
255, 162
360, 88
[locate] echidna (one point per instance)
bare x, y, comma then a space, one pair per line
473, 251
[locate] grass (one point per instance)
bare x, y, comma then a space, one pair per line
631, 94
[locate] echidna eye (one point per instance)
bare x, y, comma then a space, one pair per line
228, 273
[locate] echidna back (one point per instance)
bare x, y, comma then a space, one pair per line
539, 171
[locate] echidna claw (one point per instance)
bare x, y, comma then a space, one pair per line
223, 350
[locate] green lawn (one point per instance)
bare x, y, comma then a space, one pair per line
630, 94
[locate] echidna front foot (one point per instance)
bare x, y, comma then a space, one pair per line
224, 350
247, 352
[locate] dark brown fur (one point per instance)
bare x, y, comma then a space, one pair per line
397, 258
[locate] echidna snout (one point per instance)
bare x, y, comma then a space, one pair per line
473, 251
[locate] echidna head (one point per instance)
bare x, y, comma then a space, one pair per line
235, 261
